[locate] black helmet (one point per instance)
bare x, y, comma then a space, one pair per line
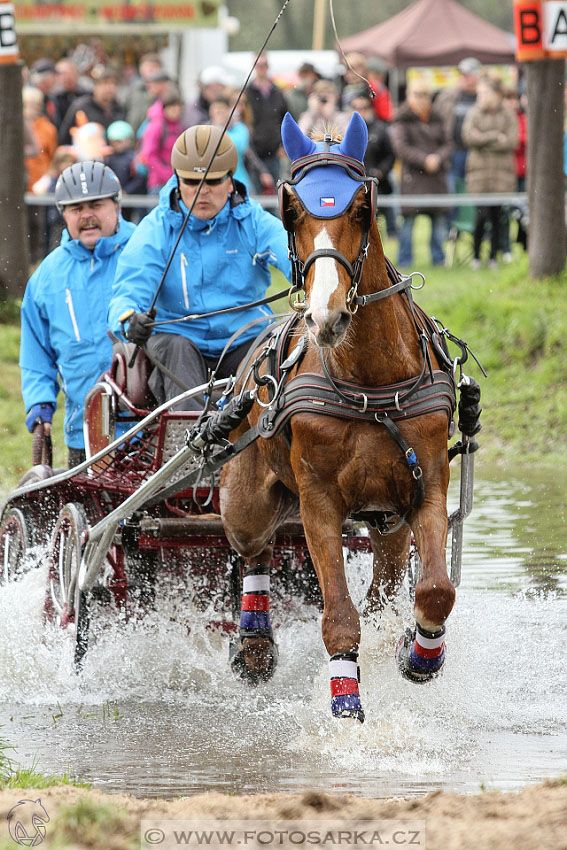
90, 180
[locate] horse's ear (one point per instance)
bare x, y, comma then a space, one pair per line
295, 142
287, 212
355, 140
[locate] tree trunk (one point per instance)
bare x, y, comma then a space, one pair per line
546, 181
13, 216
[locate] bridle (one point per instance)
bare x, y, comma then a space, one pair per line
299, 268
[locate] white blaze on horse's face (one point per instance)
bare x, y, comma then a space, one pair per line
326, 317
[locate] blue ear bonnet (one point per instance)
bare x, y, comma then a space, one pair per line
324, 188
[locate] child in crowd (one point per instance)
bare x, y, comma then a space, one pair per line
122, 160
163, 129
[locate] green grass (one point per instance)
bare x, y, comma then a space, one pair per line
13, 775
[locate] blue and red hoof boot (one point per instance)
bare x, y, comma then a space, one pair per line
345, 676
420, 655
255, 655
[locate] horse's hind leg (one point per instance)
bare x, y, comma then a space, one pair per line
391, 552
254, 656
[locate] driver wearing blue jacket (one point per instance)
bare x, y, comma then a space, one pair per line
64, 338
222, 260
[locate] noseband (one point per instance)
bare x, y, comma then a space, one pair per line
299, 268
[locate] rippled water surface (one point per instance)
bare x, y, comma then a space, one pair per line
156, 710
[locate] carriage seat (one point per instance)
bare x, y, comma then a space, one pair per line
132, 380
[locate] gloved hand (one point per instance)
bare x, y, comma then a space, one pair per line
139, 328
39, 413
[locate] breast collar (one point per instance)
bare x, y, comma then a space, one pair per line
309, 392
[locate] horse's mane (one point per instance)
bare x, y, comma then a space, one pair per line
328, 129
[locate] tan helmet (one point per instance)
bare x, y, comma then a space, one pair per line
194, 148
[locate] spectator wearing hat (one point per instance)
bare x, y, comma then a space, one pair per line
164, 126
138, 97
323, 110
268, 108
297, 97
213, 82
454, 104
99, 106
67, 89
44, 78
122, 161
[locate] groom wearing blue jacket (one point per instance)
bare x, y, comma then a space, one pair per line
64, 340
222, 260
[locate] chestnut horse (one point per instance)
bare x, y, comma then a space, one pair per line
336, 467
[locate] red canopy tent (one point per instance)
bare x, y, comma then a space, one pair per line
433, 32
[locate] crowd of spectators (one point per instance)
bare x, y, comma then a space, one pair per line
470, 137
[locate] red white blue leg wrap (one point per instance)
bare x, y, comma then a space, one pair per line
421, 654
255, 612
428, 650
345, 676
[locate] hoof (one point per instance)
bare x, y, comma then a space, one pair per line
355, 713
410, 666
254, 659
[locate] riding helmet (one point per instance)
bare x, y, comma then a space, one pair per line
88, 180
194, 148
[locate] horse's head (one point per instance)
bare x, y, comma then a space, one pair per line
328, 209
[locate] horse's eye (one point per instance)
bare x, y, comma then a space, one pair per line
361, 212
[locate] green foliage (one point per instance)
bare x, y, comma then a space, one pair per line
13, 775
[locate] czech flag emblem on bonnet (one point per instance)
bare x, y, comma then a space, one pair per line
326, 191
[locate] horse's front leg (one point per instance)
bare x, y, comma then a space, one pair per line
421, 653
322, 522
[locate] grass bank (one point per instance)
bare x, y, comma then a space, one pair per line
515, 326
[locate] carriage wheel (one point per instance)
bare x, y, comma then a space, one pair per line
65, 603
15, 542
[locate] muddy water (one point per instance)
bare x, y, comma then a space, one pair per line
157, 712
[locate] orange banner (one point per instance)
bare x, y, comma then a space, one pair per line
528, 27
541, 29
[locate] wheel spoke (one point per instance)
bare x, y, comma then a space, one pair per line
6, 565
60, 564
55, 601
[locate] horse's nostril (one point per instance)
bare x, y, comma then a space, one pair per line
342, 322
